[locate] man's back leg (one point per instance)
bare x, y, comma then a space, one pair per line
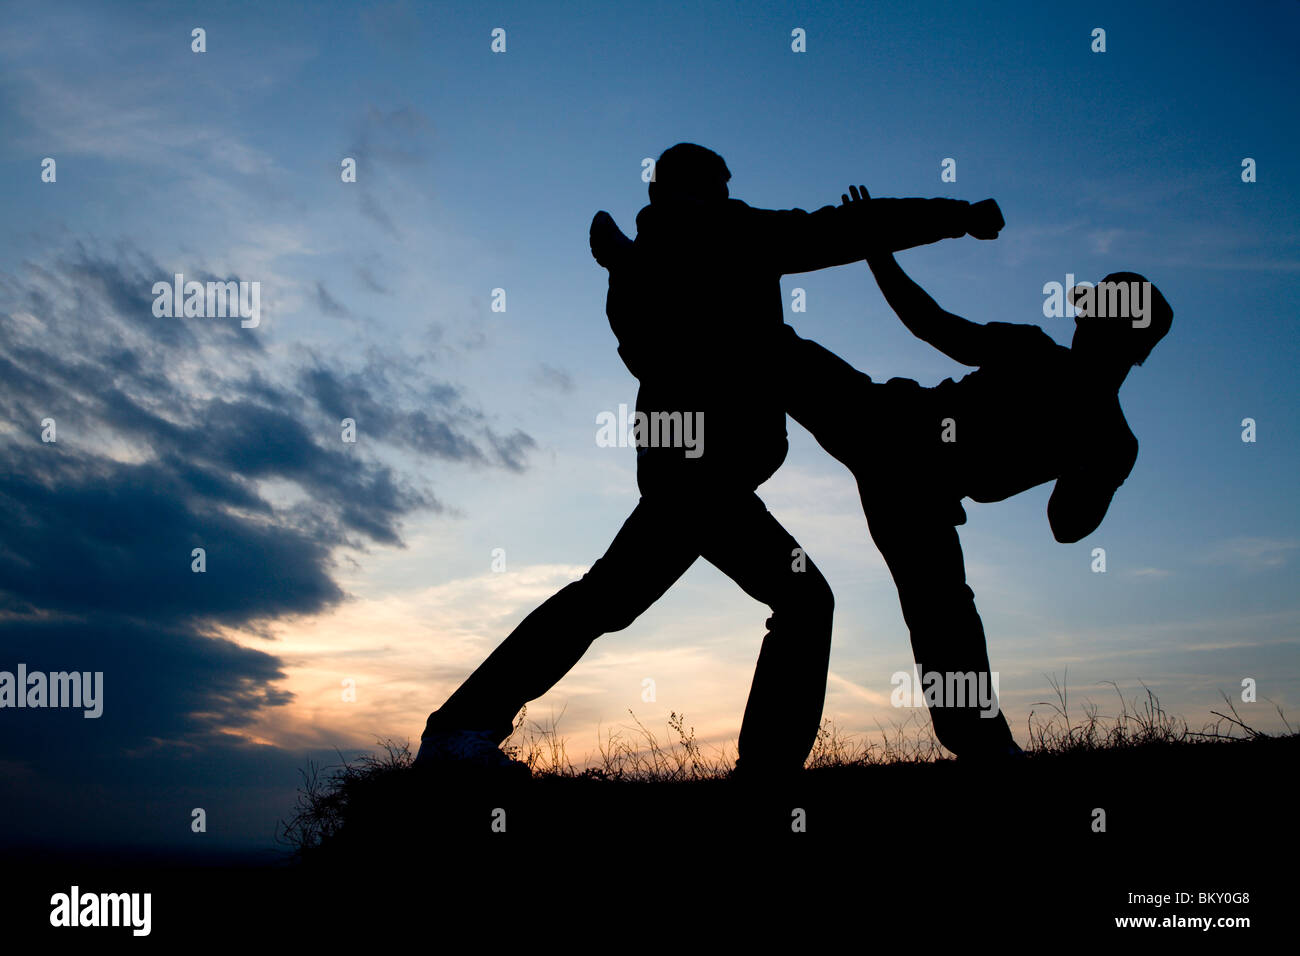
648, 554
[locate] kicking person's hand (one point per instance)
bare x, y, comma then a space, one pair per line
859, 195
985, 220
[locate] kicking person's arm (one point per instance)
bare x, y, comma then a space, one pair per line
960, 339
1076, 508
1083, 494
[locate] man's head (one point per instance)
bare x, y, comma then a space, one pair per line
1120, 319
690, 173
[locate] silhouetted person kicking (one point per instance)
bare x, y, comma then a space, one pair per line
695, 303
1033, 412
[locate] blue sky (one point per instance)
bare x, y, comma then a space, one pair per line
477, 428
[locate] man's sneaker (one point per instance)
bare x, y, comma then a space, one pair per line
466, 749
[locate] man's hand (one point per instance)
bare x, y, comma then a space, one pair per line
606, 239
985, 220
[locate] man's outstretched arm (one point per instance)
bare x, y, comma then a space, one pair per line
792, 240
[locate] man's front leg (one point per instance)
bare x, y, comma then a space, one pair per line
784, 709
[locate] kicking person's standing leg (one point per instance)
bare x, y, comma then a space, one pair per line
918, 540
649, 553
784, 710
872, 428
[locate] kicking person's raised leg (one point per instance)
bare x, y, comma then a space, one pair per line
841, 406
785, 703
920, 545
647, 555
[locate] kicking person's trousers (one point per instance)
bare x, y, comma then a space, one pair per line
919, 543
912, 506
662, 537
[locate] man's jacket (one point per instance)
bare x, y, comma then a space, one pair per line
696, 305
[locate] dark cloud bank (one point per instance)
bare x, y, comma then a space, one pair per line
168, 433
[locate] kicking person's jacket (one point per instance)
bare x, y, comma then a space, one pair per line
1030, 413
696, 305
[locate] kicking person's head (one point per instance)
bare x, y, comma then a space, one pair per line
689, 173
1119, 320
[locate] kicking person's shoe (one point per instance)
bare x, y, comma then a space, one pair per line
756, 774
474, 750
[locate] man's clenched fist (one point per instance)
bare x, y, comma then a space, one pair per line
985, 219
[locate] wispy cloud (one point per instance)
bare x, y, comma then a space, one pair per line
1151, 572
548, 376
1251, 553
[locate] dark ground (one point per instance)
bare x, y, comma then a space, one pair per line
891, 854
